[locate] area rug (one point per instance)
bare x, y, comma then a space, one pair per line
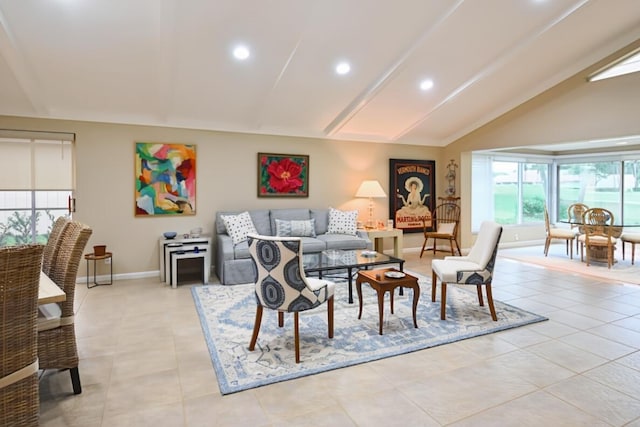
227, 314
557, 259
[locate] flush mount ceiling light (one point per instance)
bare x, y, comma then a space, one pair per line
241, 52
626, 65
426, 84
343, 68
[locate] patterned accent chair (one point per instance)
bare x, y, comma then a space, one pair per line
474, 269
281, 284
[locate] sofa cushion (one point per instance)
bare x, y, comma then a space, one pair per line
260, 218
342, 222
296, 228
287, 215
239, 226
343, 241
322, 220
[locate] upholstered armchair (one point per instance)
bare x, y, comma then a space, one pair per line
474, 269
281, 284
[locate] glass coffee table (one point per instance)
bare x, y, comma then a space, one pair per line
333, 260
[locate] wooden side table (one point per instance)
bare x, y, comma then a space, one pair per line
93, 257
382, 284
378, 237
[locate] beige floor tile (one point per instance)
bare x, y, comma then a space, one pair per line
531, 367
597, 399
567, 356
597, 345
533, 410
454, 395
390, 408
618, 377
160, 416
238, 409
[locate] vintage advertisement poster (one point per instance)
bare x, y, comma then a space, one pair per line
413, 182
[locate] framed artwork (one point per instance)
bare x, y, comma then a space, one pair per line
412, 193
165, 179
283, 175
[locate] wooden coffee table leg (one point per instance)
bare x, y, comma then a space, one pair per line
416, 296
359, 290
392, 291
380, 309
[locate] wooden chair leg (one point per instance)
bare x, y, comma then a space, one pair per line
480, 300
434, 282
623, 245
451, 244
547, 242
490, 300
570, 246
458, 247
75, 380
296, 336
443, 302
256, 328
424, 245
330, 316
280, 319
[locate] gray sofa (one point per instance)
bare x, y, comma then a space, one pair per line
232, 262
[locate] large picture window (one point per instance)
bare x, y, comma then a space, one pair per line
517, 190
36, 184
519, 187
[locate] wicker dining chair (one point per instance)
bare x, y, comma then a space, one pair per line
575, 212
597, 232
56, 330
19, 277
51, 248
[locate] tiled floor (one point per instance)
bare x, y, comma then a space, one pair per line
144, 362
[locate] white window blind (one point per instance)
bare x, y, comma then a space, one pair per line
36, 164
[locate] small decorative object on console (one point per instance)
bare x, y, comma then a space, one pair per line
169, 234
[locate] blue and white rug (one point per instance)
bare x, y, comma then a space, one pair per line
227, 314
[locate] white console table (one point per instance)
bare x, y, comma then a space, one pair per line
171, 251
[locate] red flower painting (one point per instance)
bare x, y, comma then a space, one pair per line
282, 175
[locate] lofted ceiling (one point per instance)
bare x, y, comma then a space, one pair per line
169, 62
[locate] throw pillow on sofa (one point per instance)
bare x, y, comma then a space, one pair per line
296, 228
343, 222
239, 226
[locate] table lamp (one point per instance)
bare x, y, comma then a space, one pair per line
370, 189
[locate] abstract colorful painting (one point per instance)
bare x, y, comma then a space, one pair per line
283, 175
165, 179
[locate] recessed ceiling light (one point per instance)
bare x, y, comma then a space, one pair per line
241, 52
426, 84
343, 68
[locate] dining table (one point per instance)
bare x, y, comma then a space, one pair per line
49, 291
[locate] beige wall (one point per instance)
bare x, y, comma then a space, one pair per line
226, 180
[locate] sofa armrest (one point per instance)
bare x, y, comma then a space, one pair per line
364, 235
224, 249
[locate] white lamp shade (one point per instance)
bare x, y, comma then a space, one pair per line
370, 189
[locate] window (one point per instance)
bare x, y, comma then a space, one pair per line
517, 189
36, 184
602, 184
